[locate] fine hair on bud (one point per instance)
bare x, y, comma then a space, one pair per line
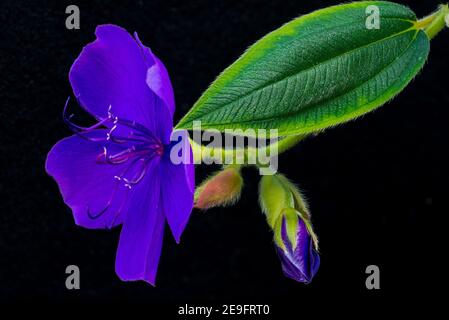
221, 189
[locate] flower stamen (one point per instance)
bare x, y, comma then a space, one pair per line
139, 145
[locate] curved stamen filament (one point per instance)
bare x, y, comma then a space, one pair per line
128, 183
141, 138
98, 214
79, 129
107, 206
137, 126
142, 133
117, 214
138, 176
145, 151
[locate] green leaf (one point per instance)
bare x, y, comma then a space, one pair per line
317, 71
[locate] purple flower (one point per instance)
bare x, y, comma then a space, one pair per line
296, 247
119, 170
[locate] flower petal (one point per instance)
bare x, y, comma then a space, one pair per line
113, 71
157, 77
142, 232
85, 184
301, 267
178, 183
300, 263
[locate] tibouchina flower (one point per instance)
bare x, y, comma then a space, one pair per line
119, 171
299, 257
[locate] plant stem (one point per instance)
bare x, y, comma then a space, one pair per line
435, 22
249, 156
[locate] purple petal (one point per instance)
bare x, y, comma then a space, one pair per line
85, 184
142, 233
157, 77
178, 184
302, 263
113, 71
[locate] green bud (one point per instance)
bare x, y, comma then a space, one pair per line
274, 197
281, 200
221, 189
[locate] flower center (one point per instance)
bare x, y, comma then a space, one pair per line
127, 144
125, 141
136, 146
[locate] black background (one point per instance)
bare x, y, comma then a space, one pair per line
371, 184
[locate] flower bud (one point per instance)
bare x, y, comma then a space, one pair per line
288, 216
296, 247
277, 193
221, 189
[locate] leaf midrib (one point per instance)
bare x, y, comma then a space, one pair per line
218, 108
289, 114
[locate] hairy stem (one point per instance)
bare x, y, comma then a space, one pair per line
435, 22
247, 156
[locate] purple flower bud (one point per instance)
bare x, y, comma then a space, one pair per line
296, 247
